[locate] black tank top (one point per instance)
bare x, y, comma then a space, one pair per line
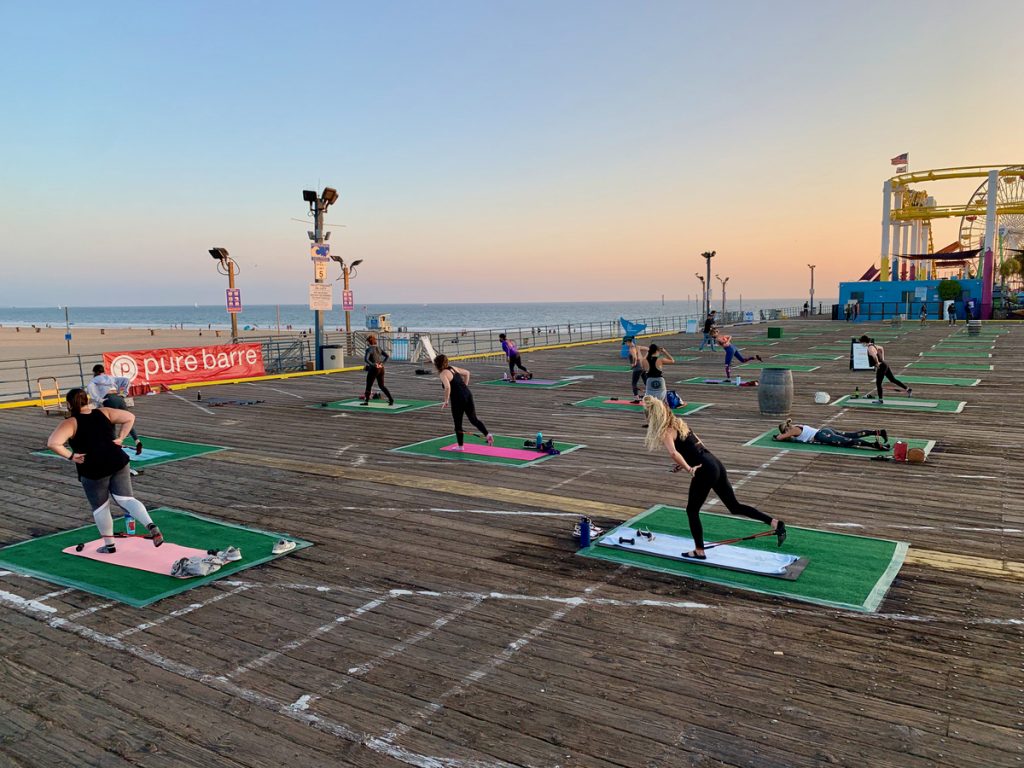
458, 388
654, 368
94, 436
690, 448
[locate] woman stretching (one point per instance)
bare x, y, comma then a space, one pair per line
655, 376
95, 449
456, 393
636, 364
801, 433
730, 352
876, 356
688, 452
374, 359
514, 358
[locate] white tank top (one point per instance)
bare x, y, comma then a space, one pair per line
806, 434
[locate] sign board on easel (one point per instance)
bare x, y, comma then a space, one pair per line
691, 326
859, 360
423, 349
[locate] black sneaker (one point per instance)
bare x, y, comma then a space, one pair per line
910, 392
138, 447
780, 532
158, 538
107, 549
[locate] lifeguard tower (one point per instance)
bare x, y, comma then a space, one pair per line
379, 323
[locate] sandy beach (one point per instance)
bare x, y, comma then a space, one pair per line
29, 343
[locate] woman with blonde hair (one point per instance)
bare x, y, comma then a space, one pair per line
669, 432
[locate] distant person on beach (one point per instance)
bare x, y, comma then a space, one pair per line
801, 433
636, 365
951, 314
807, 309
653, 361
515, 360
457, 395
106, 391
374, 358
91, 439
730, 351
876, 356
709, 323
708, 474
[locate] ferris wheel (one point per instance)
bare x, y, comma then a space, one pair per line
1009, 192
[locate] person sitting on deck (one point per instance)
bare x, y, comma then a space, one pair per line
801, 433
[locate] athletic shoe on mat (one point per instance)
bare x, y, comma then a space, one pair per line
138, 447
594, 530
282, 546
910, 392
158, 538
107, 549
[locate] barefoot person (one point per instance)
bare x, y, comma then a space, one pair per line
109, 391
876, 356
730, 352
91, 439
374, 359
801, 433
456, 394
515, 360
672, 434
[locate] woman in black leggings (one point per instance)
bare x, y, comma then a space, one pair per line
374, 359
802, 433
456, 393
688, 452
876, 356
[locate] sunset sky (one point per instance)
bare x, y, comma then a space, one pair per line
484, 151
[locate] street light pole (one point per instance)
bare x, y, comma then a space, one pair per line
708, 256
723, 281
227, 266
317, 206
811, 311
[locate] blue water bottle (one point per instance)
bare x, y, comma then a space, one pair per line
584, 532
540, 440
129, 524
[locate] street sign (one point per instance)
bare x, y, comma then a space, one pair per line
67, 337
320, 296
348, 302
320, 251
319, 270
234, 300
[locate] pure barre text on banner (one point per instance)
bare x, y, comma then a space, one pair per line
180, 365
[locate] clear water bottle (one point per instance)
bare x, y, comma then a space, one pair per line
129, 524
540, 440
738, 381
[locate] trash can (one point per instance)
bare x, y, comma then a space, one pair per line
334, 356
774, 333
974, 327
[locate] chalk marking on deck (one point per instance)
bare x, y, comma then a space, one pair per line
284, 392
180, 612
89, 611
192, 403
58, 593
580, 476
270, 656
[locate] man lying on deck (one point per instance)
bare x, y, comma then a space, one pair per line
801, 433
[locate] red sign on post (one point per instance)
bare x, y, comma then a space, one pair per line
234, 299
348, 302
180, 365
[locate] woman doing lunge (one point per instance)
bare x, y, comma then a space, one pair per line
374, 359
730, 351
636, 365
91, 438
876, 356
801, 433
672, 434
456, 394
515, 360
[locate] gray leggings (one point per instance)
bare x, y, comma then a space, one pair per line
98, 491
829, 436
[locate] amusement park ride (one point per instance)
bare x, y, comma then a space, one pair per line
991, 227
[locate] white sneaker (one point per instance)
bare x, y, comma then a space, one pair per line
282, 546
594, 531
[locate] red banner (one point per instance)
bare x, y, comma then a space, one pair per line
180, 365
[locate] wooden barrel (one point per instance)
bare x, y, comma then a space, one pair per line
775, 392
974, 327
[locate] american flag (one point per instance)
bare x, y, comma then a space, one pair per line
901, 159
901, 169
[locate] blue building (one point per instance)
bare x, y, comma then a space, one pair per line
880, 300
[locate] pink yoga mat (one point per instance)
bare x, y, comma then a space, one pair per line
493, 450
138, 553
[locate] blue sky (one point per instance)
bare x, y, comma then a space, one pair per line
483, 151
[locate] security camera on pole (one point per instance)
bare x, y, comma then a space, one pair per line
320, 255
708, 256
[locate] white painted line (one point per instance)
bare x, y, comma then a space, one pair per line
89, 611
180, 612
570, 480
24, 603
295, 644
192, 403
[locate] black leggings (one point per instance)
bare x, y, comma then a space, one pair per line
465, 408
373, 373
883, 371
514, 361
829, 436
639, 374
712, 477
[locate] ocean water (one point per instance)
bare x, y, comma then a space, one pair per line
433, 317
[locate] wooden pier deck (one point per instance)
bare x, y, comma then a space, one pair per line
443, 620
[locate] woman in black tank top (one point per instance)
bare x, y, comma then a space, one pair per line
455, 382
91, 439
688, 453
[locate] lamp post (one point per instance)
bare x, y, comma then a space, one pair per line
227, 266
348, 272
708, 256
317, 206
811, 310
703, 293
723, 281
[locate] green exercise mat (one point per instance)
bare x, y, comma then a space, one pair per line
806, 356
843, 571
954, 353
719, 382
765, 441
156, 451
769, 364
953, 364
531, 383
43, 557
376, 406
439, 448
612, 404
896, 403
939, 381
